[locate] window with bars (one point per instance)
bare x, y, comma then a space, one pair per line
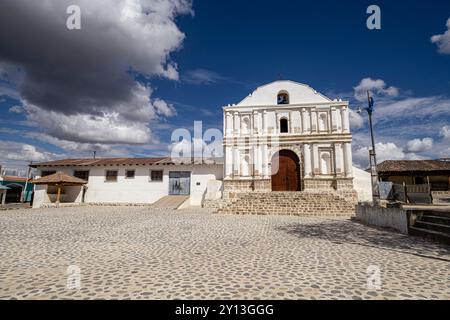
81, 174
47, 173
156, 175
129, 174
111, 176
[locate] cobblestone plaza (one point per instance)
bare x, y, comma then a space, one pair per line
145, 253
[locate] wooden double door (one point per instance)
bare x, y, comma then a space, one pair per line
286, 172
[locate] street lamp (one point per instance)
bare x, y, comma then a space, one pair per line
372, 153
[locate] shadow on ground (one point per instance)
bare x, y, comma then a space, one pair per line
349, 232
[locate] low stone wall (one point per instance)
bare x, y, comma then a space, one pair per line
395, 218
341, 186
246, 185
216, 204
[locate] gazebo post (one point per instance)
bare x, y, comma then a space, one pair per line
58, 195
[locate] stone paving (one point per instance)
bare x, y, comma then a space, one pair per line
143, 253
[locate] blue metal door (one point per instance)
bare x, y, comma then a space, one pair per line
179, 183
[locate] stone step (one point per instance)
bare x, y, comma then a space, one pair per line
430, 234
436, 219
438, 213
290, 203
170, 202
432, 226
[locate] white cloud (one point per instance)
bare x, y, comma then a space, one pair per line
17, 153
108, 128
443, 40
16, 109
414, 108
87, 99
377, 86
71, 146
114, 127
384, 151
445, 132
163, 108
419, 145
201, 76
356, 120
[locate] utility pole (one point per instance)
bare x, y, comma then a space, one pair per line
372, 153
24, 191
370, 111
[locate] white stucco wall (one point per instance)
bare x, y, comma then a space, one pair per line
40, 195
138, 189
362, 183
298, 93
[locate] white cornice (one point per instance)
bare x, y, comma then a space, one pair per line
288, 106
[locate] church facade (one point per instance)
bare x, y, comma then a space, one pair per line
286, 136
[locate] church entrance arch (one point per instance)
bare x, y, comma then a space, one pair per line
286, 171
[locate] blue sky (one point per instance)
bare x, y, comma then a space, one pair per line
228, 49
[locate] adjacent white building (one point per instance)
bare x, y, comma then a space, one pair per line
128, 180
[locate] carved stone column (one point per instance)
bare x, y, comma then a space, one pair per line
237, 124
307, 158
228, 162
345, 120
348, 159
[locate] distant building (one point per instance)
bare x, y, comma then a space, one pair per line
436, 173
15, 187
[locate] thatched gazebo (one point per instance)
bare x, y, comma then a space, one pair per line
59, 179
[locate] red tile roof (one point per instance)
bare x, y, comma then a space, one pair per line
14, 178
59, 178
103, 162
413, 165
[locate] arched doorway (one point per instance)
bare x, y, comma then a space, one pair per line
286, 171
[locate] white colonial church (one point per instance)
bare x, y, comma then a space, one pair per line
282, 139
286, 136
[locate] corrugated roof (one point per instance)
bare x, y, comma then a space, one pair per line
413, 165
103, 162
58, 178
